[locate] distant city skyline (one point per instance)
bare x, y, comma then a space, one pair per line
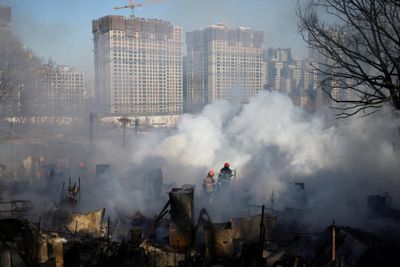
62, 29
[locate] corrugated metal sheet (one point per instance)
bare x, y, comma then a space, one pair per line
90, 222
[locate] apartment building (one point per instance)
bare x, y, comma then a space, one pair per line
138, 67
223, 64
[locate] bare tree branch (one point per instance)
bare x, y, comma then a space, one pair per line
357, 51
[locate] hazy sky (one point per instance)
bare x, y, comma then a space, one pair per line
61, 29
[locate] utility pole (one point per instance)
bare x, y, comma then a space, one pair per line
124, 121
272, 202
333, 244
108, 230
12, 143
261, 238
136, 126
91, 119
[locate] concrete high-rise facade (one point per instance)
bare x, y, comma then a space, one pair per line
290, 76
138, 67
223, 64
63, 91
277, 69
324, 80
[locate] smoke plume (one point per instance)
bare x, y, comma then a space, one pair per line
274, 144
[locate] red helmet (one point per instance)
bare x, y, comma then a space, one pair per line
226, 164
211, 173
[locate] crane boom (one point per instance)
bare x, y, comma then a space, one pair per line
120, 7
131, 5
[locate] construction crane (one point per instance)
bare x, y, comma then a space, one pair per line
132, 5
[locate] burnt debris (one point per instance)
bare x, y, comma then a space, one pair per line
181, 235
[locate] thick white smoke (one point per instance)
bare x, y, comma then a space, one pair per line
273, 144
265, 140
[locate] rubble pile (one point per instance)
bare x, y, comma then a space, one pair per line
18, 239
353, 247
177, 236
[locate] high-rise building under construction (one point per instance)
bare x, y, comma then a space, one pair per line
223, 64
138, 66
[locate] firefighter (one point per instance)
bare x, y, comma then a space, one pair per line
209, 187
209, 182
226, 170
225, 176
